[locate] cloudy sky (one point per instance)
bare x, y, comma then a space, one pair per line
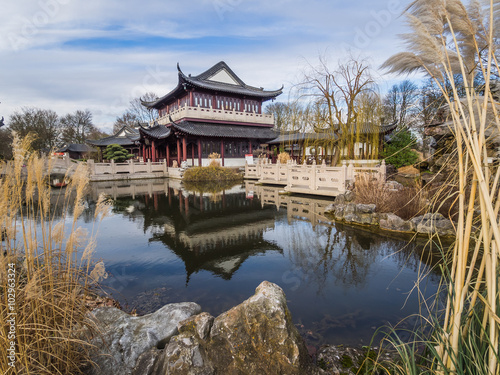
99, 54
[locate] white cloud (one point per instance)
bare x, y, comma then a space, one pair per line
64, 60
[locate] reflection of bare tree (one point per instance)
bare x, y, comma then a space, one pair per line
331, 253
345, 254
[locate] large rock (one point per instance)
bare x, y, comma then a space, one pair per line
394, 222
255, 337
433, 223
365, 208
123, 338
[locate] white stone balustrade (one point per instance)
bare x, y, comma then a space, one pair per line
127, 170
314, 179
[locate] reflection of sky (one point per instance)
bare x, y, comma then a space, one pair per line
326, 273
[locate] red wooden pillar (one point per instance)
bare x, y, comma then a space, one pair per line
192, 154
178, 153
222, 151
199, 152
144, 152
191, 104
168, 155
184, 149
250, 147
153, 151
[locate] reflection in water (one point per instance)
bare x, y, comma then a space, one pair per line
167, 243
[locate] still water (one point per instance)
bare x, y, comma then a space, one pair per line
166, 242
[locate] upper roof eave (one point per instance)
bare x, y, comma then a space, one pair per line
201, 81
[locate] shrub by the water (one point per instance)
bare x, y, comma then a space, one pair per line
211, 173
407, 202
43, 287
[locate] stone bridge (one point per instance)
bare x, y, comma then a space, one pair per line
314, 179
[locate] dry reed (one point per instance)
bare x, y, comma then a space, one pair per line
43, 282
449, 38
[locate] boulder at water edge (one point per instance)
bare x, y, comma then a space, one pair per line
255, 337
123, 338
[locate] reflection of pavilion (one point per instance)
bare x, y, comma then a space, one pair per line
213, 232
298, 207
220, 246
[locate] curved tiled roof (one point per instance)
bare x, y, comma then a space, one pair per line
205, 129
203, 81
76, 147
158, 131
126, 136
301, 137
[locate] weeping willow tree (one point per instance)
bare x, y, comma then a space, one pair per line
449, 38
339, 108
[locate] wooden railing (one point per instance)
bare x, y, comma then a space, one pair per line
314, 179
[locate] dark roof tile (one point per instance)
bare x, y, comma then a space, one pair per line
205, 129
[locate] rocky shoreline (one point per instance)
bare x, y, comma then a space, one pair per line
254, 337
343, 209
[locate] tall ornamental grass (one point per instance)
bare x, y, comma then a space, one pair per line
44, 276
450, 39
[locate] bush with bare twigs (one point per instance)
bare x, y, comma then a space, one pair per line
406, 202
283, 157
214, 159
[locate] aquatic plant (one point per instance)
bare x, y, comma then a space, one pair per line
44, 275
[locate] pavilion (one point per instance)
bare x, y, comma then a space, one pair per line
213, 112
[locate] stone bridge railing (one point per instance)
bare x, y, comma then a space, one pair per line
131, 168
314, 179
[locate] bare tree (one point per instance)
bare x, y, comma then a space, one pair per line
77, 127
44, 124
401, 104
5, 144
334, 96
291, 116
142, 113
127, 119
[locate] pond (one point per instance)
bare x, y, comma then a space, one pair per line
166, 242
